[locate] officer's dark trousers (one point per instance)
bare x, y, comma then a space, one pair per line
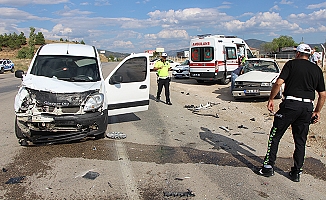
166, 84
298, 115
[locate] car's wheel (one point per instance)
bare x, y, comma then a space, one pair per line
12, 70
225, 80
20, 134
2, 70
200, 81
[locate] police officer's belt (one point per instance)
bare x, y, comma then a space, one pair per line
163, 77
299, 99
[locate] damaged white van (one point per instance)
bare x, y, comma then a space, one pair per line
64, 97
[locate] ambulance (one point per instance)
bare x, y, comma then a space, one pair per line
214, 57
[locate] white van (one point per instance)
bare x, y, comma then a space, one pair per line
214, 57
64, 97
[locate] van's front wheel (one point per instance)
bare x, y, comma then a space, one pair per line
20, 134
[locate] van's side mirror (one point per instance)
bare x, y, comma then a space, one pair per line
19, 73
115, 79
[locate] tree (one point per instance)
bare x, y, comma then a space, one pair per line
22, 39
13, 41
82, 42
39, 39
28, 52
278, 43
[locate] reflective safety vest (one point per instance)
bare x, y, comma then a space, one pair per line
163, 68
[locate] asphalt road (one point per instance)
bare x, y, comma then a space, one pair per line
168, 152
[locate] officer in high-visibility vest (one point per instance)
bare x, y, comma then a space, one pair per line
162, 67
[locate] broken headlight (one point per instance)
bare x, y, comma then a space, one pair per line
93, 102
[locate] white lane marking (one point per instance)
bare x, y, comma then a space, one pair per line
126, 169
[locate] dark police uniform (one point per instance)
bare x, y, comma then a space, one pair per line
302, 78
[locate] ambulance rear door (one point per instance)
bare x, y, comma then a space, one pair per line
127, 86
231, 61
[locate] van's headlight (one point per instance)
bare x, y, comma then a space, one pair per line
266, 84
94, 102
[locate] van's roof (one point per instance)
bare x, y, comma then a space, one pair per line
68, 49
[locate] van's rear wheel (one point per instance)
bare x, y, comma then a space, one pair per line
225, 80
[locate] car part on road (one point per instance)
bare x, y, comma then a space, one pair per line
224, 128
91, 175
15, 180
116, 135
189, 193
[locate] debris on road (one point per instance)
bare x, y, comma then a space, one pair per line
189, 193
91, 175
242, 126
116, 135
198, 110
224, 128
4, 169
15, 180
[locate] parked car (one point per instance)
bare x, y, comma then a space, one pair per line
173, 64
6, 65
259, 75
181, 71
64, 96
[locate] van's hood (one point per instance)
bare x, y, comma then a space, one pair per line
57, 86
258, 76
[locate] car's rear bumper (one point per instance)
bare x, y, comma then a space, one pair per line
184, 74
254, 92
242, 94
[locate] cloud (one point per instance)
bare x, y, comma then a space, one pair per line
101, 3
19, 15
276, 7
313, 18
190, 17
123, 44
25, 2
60, 29
317, 6
263, 23
286, 2
67, 12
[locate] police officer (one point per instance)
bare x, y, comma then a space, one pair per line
302, 78
162, 67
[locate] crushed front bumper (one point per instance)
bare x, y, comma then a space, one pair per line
46, 128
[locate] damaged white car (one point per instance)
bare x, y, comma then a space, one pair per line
64, 97
257, 79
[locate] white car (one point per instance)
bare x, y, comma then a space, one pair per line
257, 78
173, 64
181, 71
64, 96
6, 65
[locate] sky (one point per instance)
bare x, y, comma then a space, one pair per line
128, 26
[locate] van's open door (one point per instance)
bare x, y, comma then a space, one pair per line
230, 59
127, 86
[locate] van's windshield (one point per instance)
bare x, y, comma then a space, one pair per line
67, 68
